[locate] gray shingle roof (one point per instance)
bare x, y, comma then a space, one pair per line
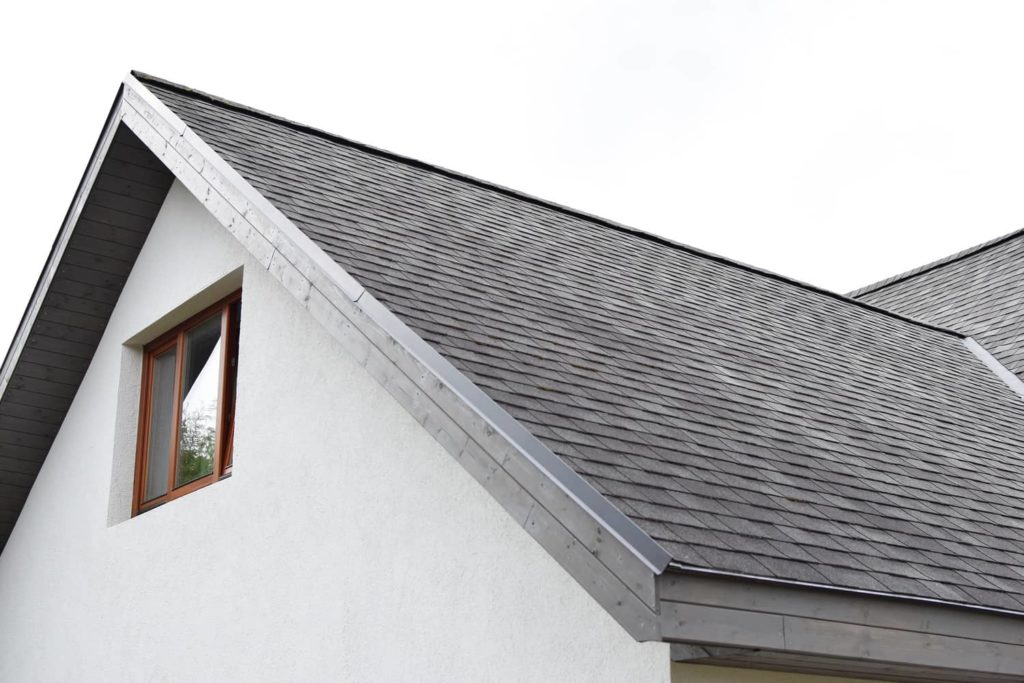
979, 292
748, 423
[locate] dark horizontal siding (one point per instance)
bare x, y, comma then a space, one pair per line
123, 202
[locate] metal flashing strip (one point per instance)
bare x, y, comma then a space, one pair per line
60, 243
1002, 372
284, 249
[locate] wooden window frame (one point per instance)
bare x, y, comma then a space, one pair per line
226, 400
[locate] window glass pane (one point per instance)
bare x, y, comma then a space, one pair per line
161, 422
200, 385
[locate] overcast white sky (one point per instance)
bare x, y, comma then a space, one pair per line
835, 142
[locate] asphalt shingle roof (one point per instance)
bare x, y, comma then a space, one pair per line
748, 423
979, 292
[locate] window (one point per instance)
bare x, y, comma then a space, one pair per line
187, 415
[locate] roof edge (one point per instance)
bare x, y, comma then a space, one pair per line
934, 265
533, 199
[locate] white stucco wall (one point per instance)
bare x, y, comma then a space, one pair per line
346, 546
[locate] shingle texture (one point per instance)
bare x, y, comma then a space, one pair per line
979, 292
746, 422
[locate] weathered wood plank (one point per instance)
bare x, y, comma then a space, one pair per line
28, 441
43, 386
131, 154
873, 643
27, 467
130, 188
22, 480
28, 426
688, 652
88, 276
30, 371
112, 233
66, 347
137, 173
60, 316
839, 606
81, 298
97, 262
87, 244
72, 333
23, 453
27, 412
823, 666
8, 517
840, 641
55, 366
22, 396
722, 627
128, 205
12, 503
127, 221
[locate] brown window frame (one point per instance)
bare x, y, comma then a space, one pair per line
226, 400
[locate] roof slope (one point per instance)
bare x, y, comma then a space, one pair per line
748, 423
979, 292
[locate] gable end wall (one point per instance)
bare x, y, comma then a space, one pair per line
348, 545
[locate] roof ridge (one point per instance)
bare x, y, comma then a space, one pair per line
935, 265
518, 194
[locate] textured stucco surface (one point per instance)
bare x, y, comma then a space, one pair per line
694, 673
347, 546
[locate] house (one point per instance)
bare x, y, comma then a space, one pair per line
286, 407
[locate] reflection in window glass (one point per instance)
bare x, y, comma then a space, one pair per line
197, 437
161, 421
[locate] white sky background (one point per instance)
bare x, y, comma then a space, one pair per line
835, 142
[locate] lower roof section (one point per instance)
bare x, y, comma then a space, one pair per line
979, 292
102, 235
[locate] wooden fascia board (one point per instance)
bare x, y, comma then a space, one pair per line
877, 632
